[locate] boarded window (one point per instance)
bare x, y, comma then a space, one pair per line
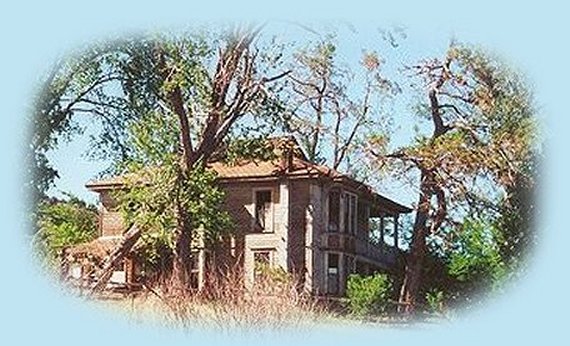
350, 220
263, 220
332, 273
353, 214
209, 260
334, 211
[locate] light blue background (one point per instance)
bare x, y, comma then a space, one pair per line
534, 37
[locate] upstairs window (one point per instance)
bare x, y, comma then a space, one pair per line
363, 217
263, 219
350, 219
334, 211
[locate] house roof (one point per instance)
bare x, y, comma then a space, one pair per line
290, 166
98, 248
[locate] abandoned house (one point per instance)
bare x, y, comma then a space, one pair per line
289, 213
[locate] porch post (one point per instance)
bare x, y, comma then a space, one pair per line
341, 275
382, 230
396, 230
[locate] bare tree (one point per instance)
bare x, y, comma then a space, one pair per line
330, 109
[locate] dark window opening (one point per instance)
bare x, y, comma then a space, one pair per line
350, 222
363, 216
334, 210
263, 210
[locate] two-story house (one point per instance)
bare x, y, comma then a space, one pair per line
310, 220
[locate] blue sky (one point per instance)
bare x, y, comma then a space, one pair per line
532, 35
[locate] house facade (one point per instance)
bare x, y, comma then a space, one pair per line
289, 213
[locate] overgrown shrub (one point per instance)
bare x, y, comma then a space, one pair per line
434, 300
368, 294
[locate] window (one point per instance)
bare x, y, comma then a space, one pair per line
334, 211
332, 273
119, 274
261, 264
388, 230
350, 219
375, 235
263, 219
363, 217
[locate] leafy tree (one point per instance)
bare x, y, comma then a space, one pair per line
63, 223
152, 191
516, 220
475, 260
206, 92
77, 87
483, 130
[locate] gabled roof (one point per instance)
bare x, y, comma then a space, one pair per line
290, 163
243, 170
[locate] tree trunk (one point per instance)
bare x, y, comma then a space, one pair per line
413, 275
414, 263
182, 262
130, 239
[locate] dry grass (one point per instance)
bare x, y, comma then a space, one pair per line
273, 303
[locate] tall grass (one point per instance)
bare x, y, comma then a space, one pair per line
227, 303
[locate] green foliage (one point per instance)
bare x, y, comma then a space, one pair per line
154, 252
63, 223
475, 261
114, 83
472, 267
274, 275
516, 220
152, 203
368, 294
435, 299
76, 85
248, 148
156, 186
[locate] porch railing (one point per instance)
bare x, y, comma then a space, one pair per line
377, 252
382, 253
